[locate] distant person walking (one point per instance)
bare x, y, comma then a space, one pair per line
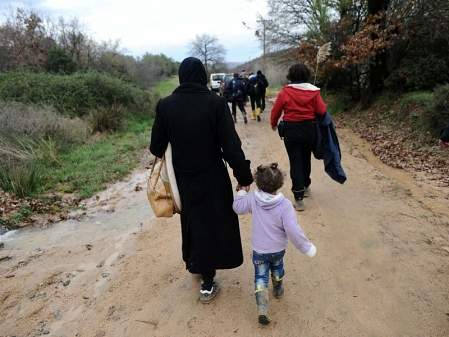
243, 74
264, 80
198, 125
299, 101
236, 87
255, 90
274, 223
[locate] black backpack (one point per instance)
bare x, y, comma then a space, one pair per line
236, 93
255, 88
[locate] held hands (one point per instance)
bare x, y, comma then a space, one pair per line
240, 187
443, 144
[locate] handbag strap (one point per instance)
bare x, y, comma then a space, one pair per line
158, 172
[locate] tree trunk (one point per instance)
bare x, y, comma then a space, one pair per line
379, 68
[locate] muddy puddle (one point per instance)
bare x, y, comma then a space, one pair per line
114, 213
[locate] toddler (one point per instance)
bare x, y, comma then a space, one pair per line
274, 223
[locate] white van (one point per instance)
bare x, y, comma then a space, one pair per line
215, 81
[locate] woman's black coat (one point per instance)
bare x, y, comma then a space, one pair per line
199, 127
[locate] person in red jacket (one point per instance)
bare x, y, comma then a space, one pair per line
300, 101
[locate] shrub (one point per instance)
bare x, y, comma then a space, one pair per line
73, 95
419, 74
21, 177
59, 62
438, 111
18, 120
411, 105
425, 112
106, 118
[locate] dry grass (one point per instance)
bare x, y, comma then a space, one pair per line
18, 121
322, 55
22, 177
323, 52
29, 138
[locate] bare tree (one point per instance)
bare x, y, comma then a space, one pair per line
288, 22
24, 41
208, 50
379, 65
27, 37
72, 36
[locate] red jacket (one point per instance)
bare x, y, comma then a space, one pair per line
300, 102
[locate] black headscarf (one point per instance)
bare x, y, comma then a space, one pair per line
192, 70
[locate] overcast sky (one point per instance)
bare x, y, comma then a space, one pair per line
161, 26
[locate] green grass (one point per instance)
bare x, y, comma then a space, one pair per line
335, 104
274, 88
418, 98
23, 213
335, 107
166, 86
90, 168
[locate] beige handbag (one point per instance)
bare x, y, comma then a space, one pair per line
161, 193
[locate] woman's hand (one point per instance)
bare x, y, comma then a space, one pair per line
240, 187
274, 127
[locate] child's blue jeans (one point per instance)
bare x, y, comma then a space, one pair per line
263, 263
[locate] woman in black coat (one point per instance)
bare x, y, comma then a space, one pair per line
200, 129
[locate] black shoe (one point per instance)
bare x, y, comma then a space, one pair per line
258, 118
245, 119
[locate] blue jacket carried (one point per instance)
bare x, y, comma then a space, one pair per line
328, 148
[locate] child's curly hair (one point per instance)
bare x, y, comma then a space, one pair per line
269, 178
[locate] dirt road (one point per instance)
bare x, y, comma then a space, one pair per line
381, 267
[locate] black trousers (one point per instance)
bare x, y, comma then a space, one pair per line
255, 102
239, 103
299, 155
208, 280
